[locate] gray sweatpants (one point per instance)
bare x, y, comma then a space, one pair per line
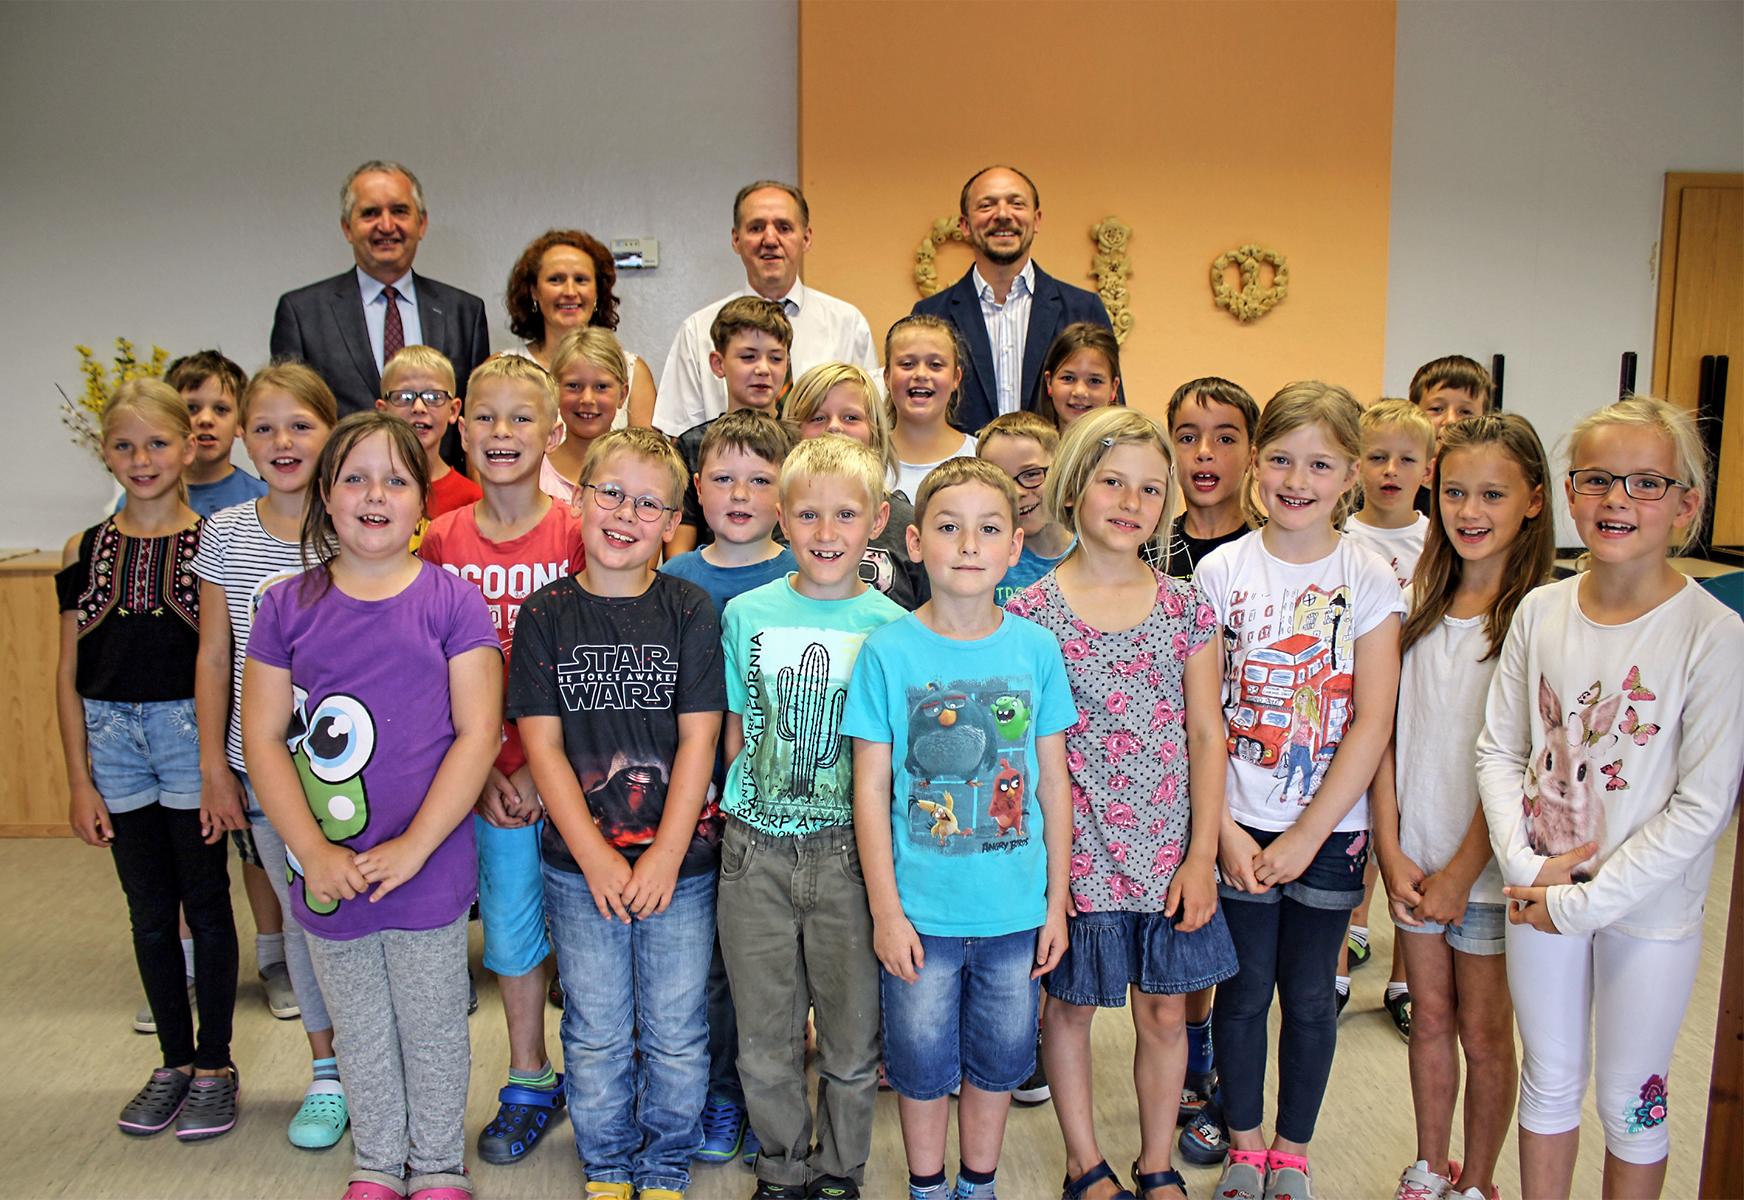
271, 848
398, 1000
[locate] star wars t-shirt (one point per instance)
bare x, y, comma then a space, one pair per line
961, 719
618, 671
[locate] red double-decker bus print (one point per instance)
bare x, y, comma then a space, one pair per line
1261, 728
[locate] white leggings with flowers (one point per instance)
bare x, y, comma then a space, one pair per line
1625, 994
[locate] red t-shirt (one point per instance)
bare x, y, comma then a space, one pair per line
507, 573
453, 491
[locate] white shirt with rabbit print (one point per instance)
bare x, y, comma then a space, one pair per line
1625, 735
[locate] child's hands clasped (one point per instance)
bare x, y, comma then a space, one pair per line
389, 864
1527, 904
899, 948
1192, 893
1403, 879
1238, 854
607, 874
1285, 857
330, 874
652, 880
89, 816
1444, 900
499, 803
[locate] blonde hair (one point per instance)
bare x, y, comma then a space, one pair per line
1020, 424
596, 346
960, 470
298, 382
835, 457
649, 445
1296, 406
928, 323
808, 396
512, 368
1393, 413
1083, 446
1673, 424
417, 358
153, 401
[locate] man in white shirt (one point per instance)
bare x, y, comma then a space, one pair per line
771, 233
1007, 309
344, 328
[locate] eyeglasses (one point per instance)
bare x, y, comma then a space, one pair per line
1032, 478
611, 497
1640, 485
431, 399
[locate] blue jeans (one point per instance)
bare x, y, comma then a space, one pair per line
972, 1014
635, 1029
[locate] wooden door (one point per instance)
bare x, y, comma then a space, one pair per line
1701, 311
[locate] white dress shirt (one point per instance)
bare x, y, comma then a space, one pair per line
825, 329
375, 311
1007, 330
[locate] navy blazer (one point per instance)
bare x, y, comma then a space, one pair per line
322, 325
1055, 306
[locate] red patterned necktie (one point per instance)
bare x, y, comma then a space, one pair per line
393, 330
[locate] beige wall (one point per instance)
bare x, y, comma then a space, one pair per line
1203, 126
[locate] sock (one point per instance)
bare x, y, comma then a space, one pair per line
269, 949
1395, 990
326, 1068
1360, 935
1341, 984
923, 1183
544, 1080
978, 1178
188, 955
1199, 1047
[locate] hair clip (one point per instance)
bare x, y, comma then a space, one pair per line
1108, 442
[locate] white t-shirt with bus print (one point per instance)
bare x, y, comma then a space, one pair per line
1289, 640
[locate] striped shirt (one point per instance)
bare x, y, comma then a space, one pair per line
1007, 331
240, 556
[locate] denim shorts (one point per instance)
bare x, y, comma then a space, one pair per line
1109, 952
1481, 930
511, 898
972, 1015
1333, 879
144, 753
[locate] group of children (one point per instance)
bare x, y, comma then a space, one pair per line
834, 724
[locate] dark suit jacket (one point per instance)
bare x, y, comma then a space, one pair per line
322, 325
1056, 305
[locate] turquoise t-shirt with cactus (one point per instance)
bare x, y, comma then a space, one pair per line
788, 659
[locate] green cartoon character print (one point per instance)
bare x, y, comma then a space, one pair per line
331, 744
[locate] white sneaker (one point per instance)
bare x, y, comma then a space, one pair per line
144, 1022
1420, 1183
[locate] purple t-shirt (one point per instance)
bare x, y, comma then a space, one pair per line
371, 726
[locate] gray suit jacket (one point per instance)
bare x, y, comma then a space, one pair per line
322, 325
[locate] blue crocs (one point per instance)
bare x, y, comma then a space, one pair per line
723, 1131
322, 1119
520, 1122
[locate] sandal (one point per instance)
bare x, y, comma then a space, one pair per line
1148, 1183
1074, 1189
158, 1103
521, 1121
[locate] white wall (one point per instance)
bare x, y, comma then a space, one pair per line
1530, 145
171, 168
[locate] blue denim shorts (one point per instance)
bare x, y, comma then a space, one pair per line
1109, 952
972, 1015
1482, 929
144, 753
511, 898
1333, 880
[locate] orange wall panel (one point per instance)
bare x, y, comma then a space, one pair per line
1201, 125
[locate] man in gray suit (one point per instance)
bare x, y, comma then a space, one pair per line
346, 327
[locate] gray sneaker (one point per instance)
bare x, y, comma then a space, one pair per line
281, 999
145, 1022
1242, 1181
1289, 1183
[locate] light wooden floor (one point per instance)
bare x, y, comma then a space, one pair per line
70, 989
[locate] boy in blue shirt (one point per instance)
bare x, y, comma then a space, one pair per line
963, 818
796, 929
738, 467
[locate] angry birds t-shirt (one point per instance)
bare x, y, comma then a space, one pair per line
961, 719
372, 722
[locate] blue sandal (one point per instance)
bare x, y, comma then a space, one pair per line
1157, 1179
521, 1121
1074, 1189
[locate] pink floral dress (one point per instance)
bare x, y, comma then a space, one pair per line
1128, 750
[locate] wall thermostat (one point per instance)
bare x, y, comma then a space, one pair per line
635, 254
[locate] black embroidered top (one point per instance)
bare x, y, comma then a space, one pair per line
137, 602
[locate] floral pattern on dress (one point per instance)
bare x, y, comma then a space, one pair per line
1127, 750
